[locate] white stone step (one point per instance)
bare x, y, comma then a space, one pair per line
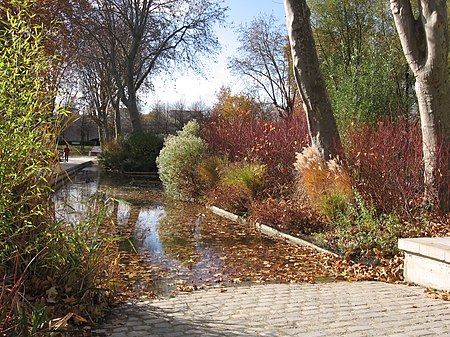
427, 261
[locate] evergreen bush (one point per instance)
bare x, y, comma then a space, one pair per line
137, 152
177, 162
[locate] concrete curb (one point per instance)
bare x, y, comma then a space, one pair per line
65, 175
269, 231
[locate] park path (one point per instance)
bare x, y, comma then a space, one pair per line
75, 161
322, 309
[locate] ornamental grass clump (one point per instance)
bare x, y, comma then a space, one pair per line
178, 160
209, 171
238, 187
249, 177
325, 185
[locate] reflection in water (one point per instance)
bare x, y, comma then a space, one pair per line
166, 233
71, 200
176, 242
123, 214
146, 231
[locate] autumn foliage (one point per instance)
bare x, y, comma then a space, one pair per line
376, 191
386, 161
271, 143
319, 181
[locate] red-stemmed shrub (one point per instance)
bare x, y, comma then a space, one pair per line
286, 216
271, 143
386, 162
235, 199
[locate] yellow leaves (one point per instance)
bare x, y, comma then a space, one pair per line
231, 106
436, 294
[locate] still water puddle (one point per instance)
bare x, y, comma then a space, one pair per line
182, 246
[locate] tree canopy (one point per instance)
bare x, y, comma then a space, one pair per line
139, 39
264, 57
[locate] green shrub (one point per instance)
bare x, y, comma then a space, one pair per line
333, 204
137, 152
248, 176
178, 160
361, 231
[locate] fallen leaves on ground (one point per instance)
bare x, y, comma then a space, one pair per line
385, 270
436, 294
202, 250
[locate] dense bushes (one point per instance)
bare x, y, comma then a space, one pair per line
137, 152
44, 265
386, 162
177, 162
270, 143
360, 230
383, 168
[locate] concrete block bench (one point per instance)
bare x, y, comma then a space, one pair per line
427, 261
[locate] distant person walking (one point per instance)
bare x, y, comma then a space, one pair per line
66, 153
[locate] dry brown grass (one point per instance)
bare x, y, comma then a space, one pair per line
318, 179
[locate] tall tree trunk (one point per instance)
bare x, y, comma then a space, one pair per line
134, 115
101, 136
117, 120
131, 103
425, 44
322, 125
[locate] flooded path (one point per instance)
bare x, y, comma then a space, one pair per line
170, 246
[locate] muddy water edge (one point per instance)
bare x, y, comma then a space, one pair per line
169, 246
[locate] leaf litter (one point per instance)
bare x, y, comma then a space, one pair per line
199, 250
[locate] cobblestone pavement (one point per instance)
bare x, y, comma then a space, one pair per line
327, 309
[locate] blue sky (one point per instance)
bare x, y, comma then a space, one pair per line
189, 87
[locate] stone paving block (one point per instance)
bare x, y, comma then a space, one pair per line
312, 334
336, 309
117, 334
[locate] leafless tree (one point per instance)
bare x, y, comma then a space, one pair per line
144, 37
263, 56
